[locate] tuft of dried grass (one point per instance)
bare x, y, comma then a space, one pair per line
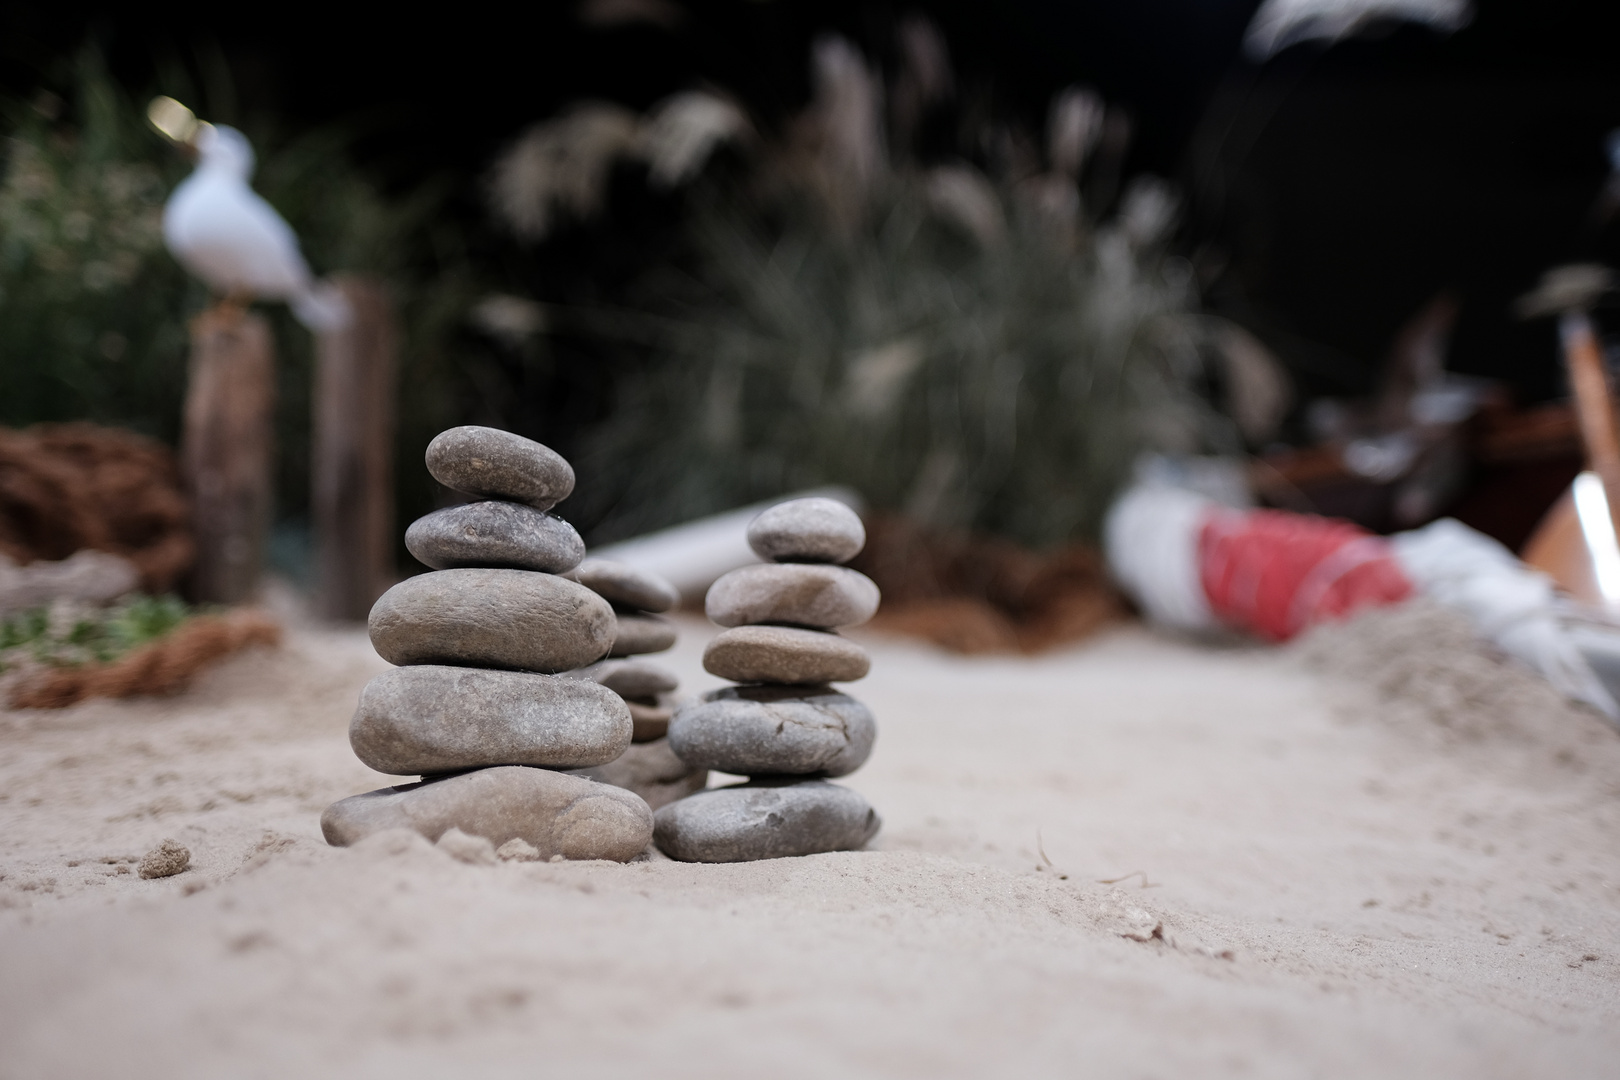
981, 594
164, 666
68, 487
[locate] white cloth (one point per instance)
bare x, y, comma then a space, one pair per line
1151, 540
1507, 602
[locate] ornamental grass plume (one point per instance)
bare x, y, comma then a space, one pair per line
965, 341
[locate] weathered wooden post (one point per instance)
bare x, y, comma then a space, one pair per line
226, 447
352, 459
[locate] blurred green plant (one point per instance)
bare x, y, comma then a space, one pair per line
67, 635
965, 343
91, 305
94, 311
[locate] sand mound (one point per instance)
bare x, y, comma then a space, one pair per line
1422, 669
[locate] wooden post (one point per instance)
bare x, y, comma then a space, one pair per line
352, 460
226, 448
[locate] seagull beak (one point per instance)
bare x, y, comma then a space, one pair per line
175, 122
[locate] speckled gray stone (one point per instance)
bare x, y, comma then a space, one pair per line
807, 530
637, 634
801, 594
631, 678
774, 730
765, 820
557, 813
784, 654
432, 719
494, 464
496, 534
625, 586
651, 770
492, 618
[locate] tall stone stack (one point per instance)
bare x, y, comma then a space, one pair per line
784, 726
476, 707
647, 767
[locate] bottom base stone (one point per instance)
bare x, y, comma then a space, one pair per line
765, 819
651, 770
556, 813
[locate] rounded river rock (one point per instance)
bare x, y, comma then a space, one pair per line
632, 678
496, 534
626, 586
637, 634
492, 618
431, 719
650, 721
556, 813
784, 654
774, 730
807, 530
801, 594
651, 770
765, 820
492, 464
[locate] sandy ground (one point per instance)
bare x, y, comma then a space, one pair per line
1319, 890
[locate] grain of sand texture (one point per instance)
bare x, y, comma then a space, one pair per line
1341, 885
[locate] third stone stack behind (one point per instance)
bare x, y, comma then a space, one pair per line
785, 728
647, 767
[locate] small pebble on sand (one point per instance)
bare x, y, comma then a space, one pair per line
516, 850
468, 848
166, 860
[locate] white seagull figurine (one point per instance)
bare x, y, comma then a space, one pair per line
223, 232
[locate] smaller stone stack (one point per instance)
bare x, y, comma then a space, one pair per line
647, 767
475, 707
785, 728
638, 599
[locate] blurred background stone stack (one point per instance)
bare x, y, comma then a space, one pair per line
785, 728
475, 706
648, 766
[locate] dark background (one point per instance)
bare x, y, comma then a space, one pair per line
1331, 191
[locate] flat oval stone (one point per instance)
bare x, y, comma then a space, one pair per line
637, 634
495, 534
430, 719
774, 730
771, 819
492, 464
784, 654
651, 770
492, 618
632, 678
650, 721
556, 813
626, 586
802, 594
807, 530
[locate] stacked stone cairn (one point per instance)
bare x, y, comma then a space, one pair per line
475, 706
784, 727
648, 767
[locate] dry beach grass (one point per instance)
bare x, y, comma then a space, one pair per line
1335, 891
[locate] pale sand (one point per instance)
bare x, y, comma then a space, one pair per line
1336, 893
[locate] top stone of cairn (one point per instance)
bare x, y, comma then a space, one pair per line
625, 586
807, 530
491, 464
